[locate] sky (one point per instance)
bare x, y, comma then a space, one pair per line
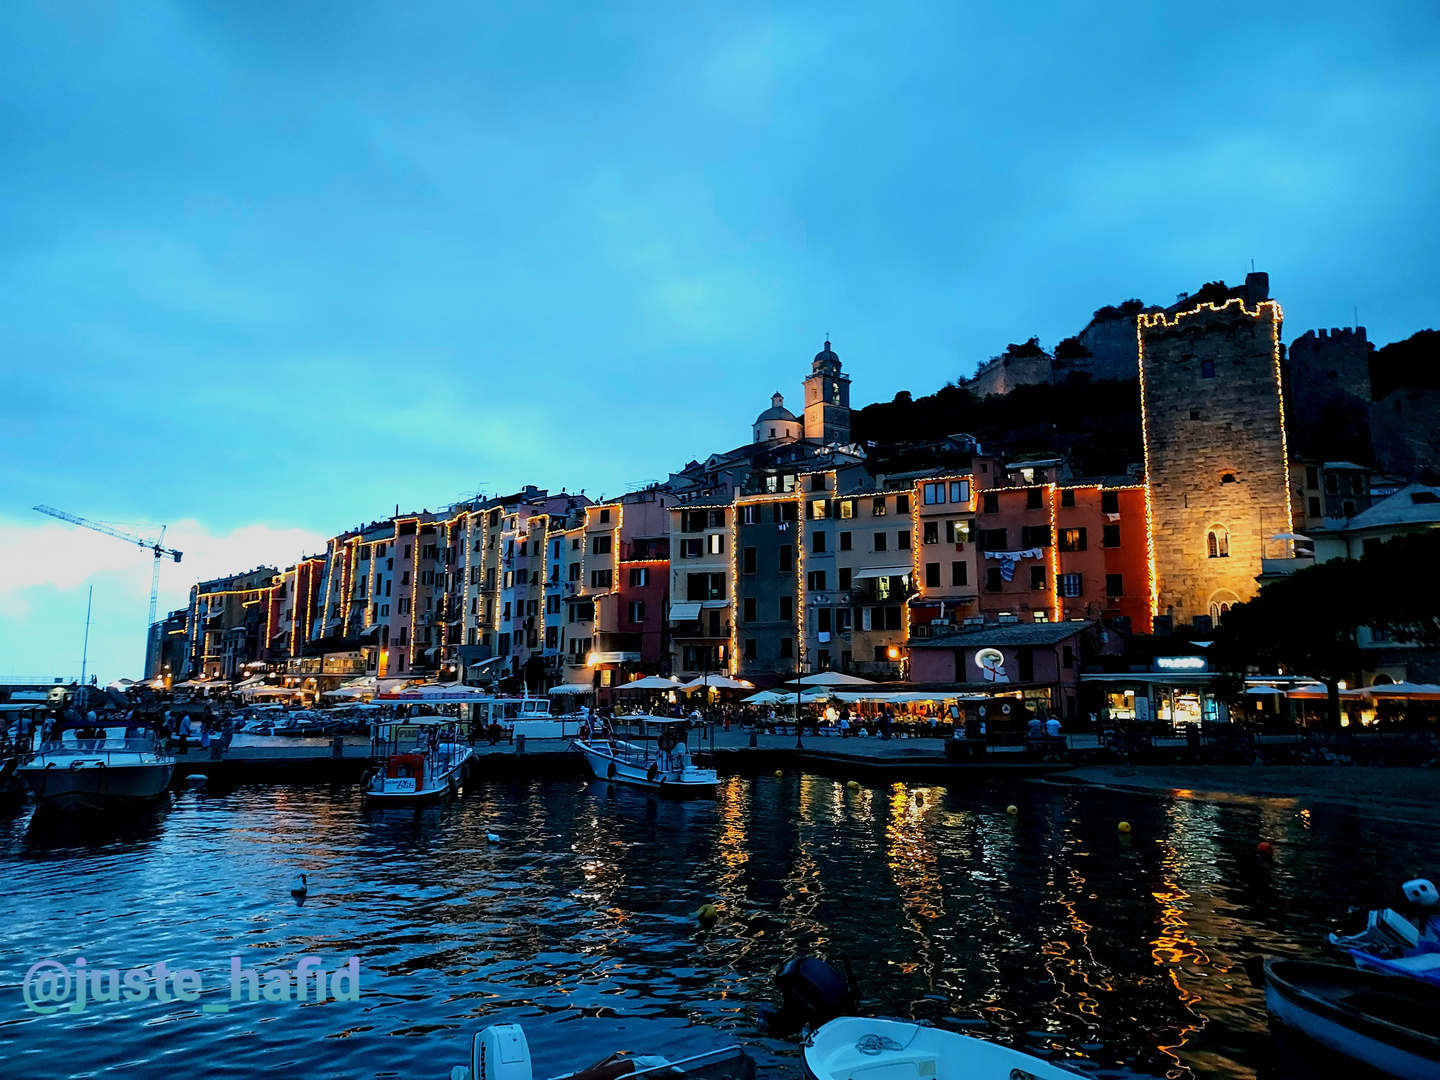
267, 270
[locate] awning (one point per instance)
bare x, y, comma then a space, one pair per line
881, 571
712, 604
571, 688
373, 628
685, 611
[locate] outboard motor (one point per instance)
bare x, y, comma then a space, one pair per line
500, 1052
812, 993
1421, 893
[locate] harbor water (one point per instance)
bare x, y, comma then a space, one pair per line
1048, 930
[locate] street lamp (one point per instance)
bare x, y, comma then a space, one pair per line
798, 665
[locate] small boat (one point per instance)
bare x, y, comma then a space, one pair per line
416, 759
124, 765
500, 1052
855, 1047
659, 762
1382, 1021
1391, 943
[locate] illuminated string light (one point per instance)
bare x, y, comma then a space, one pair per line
1055, 552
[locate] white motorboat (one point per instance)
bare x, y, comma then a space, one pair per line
501, 1052
1384, 1021
857, 1048
659, 762
1391, 943
527, 716
122, 767
416, 759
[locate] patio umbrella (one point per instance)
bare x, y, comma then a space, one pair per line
719, 682
831, 678
650, 682
1317, 691
764, 697
1420, 691
565, 689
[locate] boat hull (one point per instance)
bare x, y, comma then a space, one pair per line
605, 765
95, 786
1341, 1023
854, 1046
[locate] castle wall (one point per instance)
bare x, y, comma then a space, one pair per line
1005, 373
1328, 383
1113, 351
1215, 448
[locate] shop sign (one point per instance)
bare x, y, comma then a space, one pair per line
1181, 663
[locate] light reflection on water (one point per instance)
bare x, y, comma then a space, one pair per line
1049, 931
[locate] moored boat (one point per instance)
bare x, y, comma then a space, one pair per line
501, 1052
417, 759
116, 766
1392, 943
852, 1047
659, 762
1383, 1021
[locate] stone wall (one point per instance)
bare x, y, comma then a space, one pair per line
1405, 433
1004, 373
1328, 383
1215, 446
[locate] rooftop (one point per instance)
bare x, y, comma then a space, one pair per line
1050, 633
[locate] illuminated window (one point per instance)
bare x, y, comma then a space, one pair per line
1217, 543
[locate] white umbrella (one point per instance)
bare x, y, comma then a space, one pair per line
650, 682
764, 697
719, 682
831, 678
571, 688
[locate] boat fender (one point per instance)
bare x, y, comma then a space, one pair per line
300, 886
610, 770
652, 772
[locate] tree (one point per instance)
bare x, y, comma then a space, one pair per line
1305, 623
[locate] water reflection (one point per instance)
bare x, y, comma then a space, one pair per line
1047, 930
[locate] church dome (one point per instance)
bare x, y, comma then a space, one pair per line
777, 411
826, 359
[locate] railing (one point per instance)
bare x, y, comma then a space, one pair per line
95, 748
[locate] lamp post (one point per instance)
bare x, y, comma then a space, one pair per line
798, 666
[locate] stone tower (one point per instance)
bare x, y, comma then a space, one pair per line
1216, 462
827, 400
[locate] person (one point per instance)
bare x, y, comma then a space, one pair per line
1035, 729
844, 725
204, 735
185, 730
1052, 728
887, 723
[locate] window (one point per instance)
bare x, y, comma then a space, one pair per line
747, 561
403, 607
636, 611
575, 543
692, 548
959, 491
786, 511
1067, 497
1071, 585
892, 618
748, 611
846, 508
819, 509
880, 541
750, 515
1217, 543
705, 586
1313, 505
639, 577
817, 541
959, 532
933, 494
1348, 508
993, 539
715, 519
1312, 476
1035, 536
506, 616
407, 552
574, 571
932, 575
815, 579
1207, 369
990, 503
787, 558
604, 515
842, 620
902, 540
750, 648
717, 544
1114, 584
1110, 535
1228, 478
822, 620
600, 545
930, 532
959, 574
787, 608
600, 579
508, 580
1109, 502
1037, 577
993, 580
845, 572
787, 648
877, 506
1072, 540
902, 504
404, 577
1034, 499
844, 541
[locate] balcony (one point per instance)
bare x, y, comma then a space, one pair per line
1277, 568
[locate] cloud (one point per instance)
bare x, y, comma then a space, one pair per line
49, 565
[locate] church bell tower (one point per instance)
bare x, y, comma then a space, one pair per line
827, 400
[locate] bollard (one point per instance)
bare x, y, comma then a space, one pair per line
337, 746
520, 744
217, 747
754, 737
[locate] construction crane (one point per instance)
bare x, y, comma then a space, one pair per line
153, 545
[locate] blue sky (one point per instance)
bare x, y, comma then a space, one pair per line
267, 270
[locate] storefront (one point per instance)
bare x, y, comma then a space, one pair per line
1176, 691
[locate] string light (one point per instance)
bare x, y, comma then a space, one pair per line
1055, 552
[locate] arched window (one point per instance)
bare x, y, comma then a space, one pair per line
1215, 614
1217, 543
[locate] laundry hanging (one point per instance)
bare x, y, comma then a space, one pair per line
1011, 559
